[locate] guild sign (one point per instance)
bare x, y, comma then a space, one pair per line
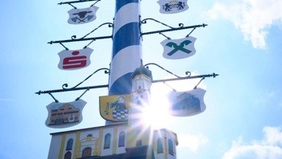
81, 16
187, 103
62, 115
172, 6
114, 108
178, 48
74, 59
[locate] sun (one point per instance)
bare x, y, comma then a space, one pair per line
156, 113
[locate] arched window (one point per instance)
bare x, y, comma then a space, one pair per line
67, 155
86, 152
160, 146
170, 147
138, 102
121, 139
89, 137
107, 141
69, 144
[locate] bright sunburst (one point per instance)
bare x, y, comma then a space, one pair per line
156, 114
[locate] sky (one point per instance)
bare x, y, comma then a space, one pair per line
242, 43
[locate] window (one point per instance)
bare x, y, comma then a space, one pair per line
71, 117
138, 102
107, 141
89, 137
67, 155
170, 147
159, 146
86, 152
121, 139
69, 144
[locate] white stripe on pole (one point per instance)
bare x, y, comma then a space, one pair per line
127, 53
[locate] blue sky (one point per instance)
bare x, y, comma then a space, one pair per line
242, 43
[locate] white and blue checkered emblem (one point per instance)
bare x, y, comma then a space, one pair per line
115, 108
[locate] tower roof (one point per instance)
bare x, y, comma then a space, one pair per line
142, 70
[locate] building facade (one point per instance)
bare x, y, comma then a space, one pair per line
111, 142
64, 115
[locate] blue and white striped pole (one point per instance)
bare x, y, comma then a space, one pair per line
127, 51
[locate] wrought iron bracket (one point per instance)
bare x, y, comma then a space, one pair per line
188, 77
104, 86
74, 39
181, 27
147, 66
188, 73
84, 39
106, 71
75, 88
144, 21
79, 1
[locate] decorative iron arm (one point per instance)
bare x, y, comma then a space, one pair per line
103, 86
79, 1
188, 73
188, 77
84, 39
181, 27
73, 38
144, 21
73, 89
147, 66
106, 71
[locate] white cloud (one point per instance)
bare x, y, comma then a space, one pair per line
192, 142
273, 136
267, 148
252, 17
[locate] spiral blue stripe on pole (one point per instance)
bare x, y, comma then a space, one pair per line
126, 55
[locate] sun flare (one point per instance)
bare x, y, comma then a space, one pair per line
156, 113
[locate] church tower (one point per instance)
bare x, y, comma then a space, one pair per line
139, 133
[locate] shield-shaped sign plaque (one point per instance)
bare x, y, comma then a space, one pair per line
62, 115
187, 103
114, 108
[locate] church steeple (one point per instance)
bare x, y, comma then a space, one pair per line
141, 86
138, 133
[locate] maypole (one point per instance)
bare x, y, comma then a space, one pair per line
127, 51
124, 136
126, 54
